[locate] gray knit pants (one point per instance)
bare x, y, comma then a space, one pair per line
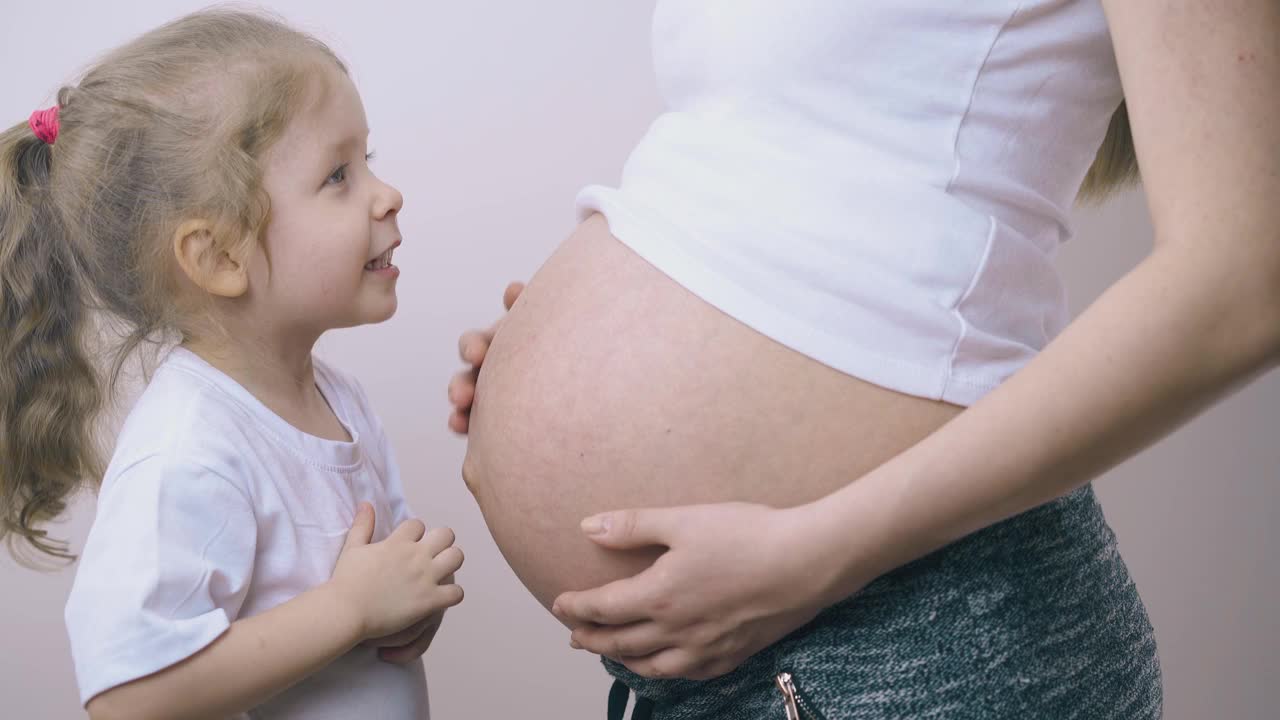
1035, 617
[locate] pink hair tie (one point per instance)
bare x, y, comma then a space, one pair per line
44, 123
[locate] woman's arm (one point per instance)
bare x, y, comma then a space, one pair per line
377, 589
1194, 321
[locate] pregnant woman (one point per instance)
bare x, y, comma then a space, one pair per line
814, 340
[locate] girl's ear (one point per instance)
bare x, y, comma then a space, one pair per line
209, 265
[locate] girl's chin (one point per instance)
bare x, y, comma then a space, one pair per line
367, 311
380, 314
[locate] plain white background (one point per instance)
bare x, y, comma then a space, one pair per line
489, 116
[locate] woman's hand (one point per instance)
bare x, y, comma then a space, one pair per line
472, 347
736, 578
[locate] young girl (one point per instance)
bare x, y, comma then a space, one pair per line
208, 184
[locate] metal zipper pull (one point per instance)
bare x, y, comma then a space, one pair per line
788, 689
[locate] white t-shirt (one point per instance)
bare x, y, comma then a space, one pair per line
878, 185
214, 508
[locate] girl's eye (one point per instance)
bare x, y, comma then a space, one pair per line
338, 177
369, 157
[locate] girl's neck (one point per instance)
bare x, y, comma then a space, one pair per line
279, 374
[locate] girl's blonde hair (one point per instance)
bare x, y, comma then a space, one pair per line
167, 128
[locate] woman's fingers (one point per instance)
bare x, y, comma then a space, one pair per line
629, 600
462, 393
709, 669
630, 529
620, 642
671, 662
712, 598
511, 293
462, 389
473, 345
618, 603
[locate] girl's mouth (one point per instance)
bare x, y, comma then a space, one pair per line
382, 262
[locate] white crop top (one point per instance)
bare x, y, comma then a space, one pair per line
878, 184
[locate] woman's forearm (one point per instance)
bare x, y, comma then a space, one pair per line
1179, 332
254, 659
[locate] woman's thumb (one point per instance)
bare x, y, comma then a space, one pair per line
361, 528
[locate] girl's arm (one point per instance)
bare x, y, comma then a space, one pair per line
254, 659
1194, 321
377, 589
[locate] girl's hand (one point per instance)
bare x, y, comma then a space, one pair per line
736, 578
395, 583
408, 644
472, 347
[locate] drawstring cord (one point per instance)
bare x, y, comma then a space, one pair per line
618, 695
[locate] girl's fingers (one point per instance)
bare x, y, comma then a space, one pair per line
411, 530
437, 540
449, 595
449, 561
404, 637
415, 648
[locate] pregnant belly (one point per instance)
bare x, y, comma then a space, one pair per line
610, 386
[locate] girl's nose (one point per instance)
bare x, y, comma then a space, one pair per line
388, 201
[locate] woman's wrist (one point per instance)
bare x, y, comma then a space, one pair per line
846, 541
875, 525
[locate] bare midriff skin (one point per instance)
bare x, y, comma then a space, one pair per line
610, 386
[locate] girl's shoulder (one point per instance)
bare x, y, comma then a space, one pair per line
342, 386
183, 420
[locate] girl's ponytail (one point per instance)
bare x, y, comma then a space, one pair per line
49, 391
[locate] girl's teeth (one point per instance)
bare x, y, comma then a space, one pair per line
380, 262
